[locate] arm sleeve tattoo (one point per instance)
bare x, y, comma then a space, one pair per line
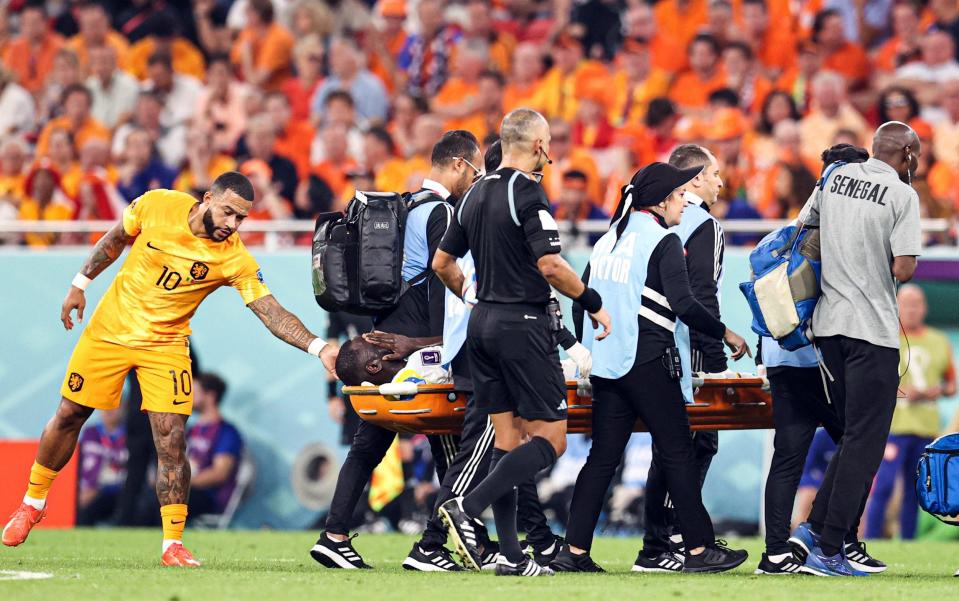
107, 250
284, 325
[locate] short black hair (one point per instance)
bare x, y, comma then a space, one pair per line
724, 96
354, 355
339, 95
575, 174
161, 58
457, 143
493, 156
383, 136
235, 182
742, 47
76, 88
219, 57
761, 3
705, 38
905, 93
37, 5
846, 153
685, 156
162, 24
659, 110
820, 21
494, 75
765, 125
263, 9
212, 383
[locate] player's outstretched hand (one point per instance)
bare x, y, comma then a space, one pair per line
328, 357
75, 299
400, 346
602, 318
736, 344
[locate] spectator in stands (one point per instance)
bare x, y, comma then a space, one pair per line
313, 196
830, 112
293, 137
902, 47
567, 156
178, 93
773, 44
778, 106
30, 55
946, 15
720, 23
639, 23
96, 195
214, 35
946, 132
44, 200
405, 110
635, 83
690, 91
424, 59
164, 39
791, 178
571, 74
312, 18
214, 447
17, 111
347, 73
575, 205
457, 100
114, 91
897, 104
523, 89
13, 158
338, 162
308, 63
798, 80
103, 466
62, 156
136, 21
929, 375
379, 157
95, 30
65, 73
203, 162
264, 49
478, 25
591, 127
170, 142
839, 53
267, 203
340, 109
260, 142
76, 119
141, 169
743, 75
221, 105
938, 65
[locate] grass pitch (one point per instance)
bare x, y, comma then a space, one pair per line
104, 564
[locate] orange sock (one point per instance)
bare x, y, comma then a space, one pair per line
174, 521
41, 479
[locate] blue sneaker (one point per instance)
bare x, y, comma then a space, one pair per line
803, 540
830, 565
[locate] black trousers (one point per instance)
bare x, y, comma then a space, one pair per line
864, 393
645, 392
661, 519
368, 449
800, 406
469, 467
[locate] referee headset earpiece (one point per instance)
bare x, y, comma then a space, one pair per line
908, 150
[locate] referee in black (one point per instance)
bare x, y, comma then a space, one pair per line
505, 221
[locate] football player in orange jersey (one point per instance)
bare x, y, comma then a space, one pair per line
181, 251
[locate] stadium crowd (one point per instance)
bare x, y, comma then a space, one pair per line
101, 101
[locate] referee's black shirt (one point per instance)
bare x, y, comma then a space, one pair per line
505, 221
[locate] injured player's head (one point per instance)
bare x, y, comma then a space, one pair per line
360, 361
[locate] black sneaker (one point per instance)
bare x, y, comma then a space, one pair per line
462, 531
489, 553
666, 562
527, 567
716, 558
436, 560
334, 554
861, 560
788, 566
544, 554
567, 561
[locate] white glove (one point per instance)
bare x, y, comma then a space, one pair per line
582, 357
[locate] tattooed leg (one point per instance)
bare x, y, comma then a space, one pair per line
59, 438
173, 469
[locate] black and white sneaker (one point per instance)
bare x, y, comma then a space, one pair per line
489, 553
544, 554
335, 554
666, 562
527, 567
861, 560
567, 561
716, 558
436, 560
788, 566
462, 531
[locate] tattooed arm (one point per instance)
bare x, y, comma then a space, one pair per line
288, 328
107, 250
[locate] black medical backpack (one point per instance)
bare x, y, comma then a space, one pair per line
358, 255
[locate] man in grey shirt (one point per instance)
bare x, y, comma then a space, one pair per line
868, 216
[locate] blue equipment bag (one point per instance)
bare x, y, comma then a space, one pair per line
937, 479
784, 289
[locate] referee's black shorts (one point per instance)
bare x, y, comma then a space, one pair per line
514, 362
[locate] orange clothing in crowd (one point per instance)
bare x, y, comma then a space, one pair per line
756, 93
80, 47
218, 165
392, 176
334, 174
54, 211
689, 91
299, 96
668, 55
271, 52
628, 103
777, 50
454, 92
680, 19
187, 59
578, 159
501, 51
31, 66
516, 96
850, 61
558, 93
90, 128
885, 58
378, 67
294, 143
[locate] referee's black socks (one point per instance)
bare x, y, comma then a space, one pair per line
514, 468
504, 514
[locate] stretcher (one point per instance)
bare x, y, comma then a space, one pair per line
720, 403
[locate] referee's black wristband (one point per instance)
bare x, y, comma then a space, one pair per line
331, 389
590, 300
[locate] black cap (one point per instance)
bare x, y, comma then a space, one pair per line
655, 182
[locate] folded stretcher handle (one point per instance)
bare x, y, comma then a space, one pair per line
398, 388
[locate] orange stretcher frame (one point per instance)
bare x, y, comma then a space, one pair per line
720, 404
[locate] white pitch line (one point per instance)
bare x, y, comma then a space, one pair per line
17, 575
